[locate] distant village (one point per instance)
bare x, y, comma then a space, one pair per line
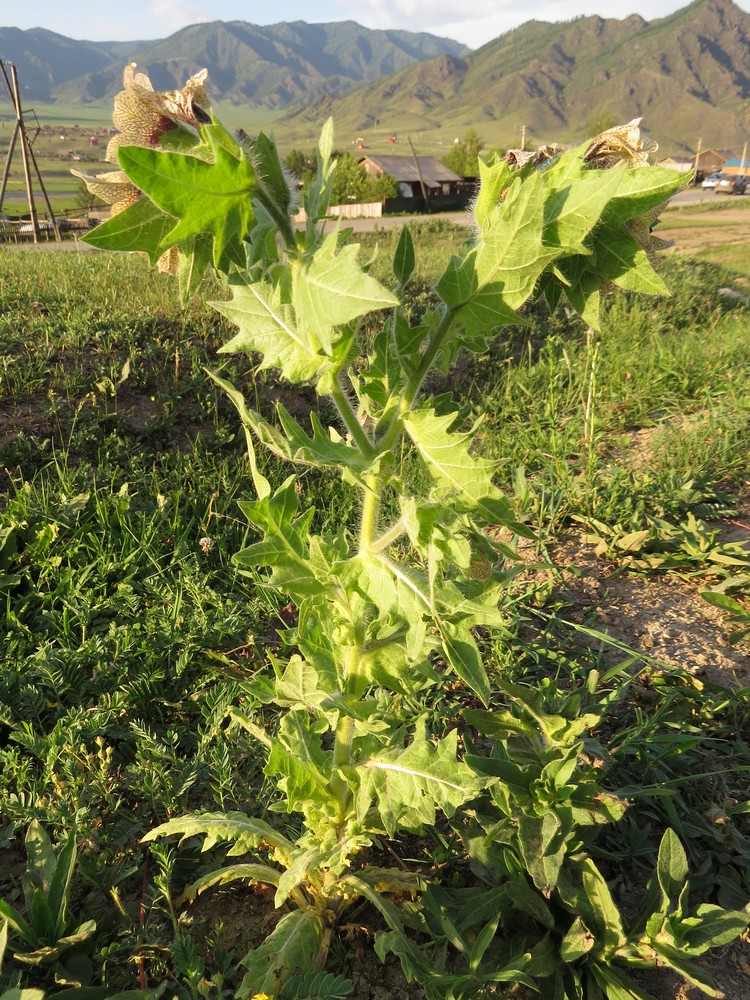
422, 184
708, 162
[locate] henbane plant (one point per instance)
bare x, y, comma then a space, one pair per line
388, 607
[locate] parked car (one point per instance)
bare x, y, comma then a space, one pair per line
44, 226
731, 184
711, 181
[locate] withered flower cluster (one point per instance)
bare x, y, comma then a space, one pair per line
620, 146
143, 117
624, 145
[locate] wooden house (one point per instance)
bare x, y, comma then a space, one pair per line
412, 173
682, 164
709, 161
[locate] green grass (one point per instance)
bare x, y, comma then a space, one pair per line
734, 256
61, 113
63, 142
127, 632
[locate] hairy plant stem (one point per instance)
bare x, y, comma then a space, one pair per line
386, 436
342, 747
370, 509
342, 752
349, 417
388, 537
279, 216
389, 428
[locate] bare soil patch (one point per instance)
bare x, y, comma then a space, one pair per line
711, 228
662, 617
30, 416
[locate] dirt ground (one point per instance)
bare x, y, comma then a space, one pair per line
713, 227
662, 616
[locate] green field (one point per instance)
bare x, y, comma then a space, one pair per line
62, 138
129, 635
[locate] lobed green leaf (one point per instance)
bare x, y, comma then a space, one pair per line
142, 227
203, 196
293, 945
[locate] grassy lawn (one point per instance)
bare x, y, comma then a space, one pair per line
129, 635
734, 256
64, 142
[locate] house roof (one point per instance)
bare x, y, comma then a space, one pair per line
403, 168
709, 153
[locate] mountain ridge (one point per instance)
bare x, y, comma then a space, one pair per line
271, 65
687, 74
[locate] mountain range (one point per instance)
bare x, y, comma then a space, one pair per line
270, 67
687, 74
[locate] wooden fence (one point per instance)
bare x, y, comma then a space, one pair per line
22, 231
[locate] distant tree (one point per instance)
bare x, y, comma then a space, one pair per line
385, 186
600, 123
494, 153
302, 165
351, 183
84, 199
463, 158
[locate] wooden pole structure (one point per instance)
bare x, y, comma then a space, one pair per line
425, 192
697, 161
8, 158
50, 213
27, 154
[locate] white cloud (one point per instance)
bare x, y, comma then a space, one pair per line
485, 19
175, 14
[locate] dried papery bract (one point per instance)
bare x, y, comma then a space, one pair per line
151, 119
625, 145
113, 188
536, 157
621, 145
144, 116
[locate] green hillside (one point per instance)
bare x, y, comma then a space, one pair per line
271, 66
688, 75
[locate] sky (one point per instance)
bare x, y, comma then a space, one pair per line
479, 22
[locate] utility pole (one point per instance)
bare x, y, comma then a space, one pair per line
10, 75
425, 192
697, 161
